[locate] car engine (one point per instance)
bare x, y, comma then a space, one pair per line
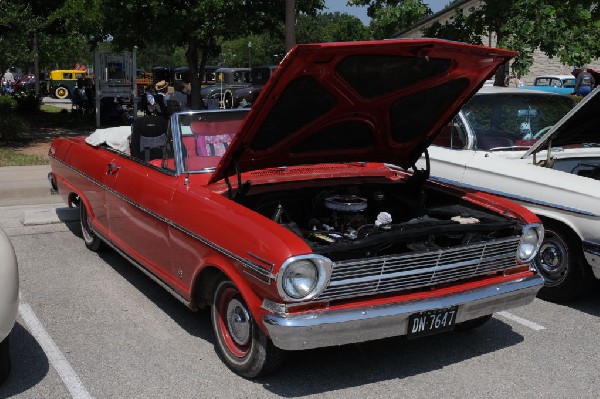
369, 220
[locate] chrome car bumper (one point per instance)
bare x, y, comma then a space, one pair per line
591, 250
339, 327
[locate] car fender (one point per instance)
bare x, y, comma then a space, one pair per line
233, 272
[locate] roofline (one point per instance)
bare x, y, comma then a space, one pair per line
443, 11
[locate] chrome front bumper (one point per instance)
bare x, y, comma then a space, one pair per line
591, 251
339, 327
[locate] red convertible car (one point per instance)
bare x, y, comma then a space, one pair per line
303, 222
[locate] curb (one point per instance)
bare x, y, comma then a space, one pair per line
49, 215
22, 185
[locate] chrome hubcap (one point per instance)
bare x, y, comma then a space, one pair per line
238, 322
553, 260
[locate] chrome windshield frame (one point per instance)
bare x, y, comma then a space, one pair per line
177, 135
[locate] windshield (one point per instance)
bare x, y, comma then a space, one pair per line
205, 136
513, 120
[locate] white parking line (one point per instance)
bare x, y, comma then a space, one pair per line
522, 321
60, 363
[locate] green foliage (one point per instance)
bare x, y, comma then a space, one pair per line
330, 27
567, 29
27, 102
386, 22
11, 126
7, 105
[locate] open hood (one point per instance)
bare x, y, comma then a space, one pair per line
377, 101
578, 126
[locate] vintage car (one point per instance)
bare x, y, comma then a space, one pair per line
206, 79
62, 82
227, 81
561, 84
299, 220
245, 97
503, 142
9, 300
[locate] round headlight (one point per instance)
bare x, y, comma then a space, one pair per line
302, 278
531, 239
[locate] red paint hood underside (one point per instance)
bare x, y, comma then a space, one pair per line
378, 101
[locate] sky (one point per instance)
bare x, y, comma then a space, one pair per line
361, 12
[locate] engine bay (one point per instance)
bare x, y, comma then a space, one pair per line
367, 220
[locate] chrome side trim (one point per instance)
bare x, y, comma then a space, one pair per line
143, 269
243, 261
339, 327
515, 197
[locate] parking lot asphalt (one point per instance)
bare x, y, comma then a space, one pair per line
90, 325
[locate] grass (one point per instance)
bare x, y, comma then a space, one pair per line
48, 122
11, 157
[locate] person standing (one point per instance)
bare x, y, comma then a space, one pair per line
584, 83
161, 97
148, 104
180, 97
9, 81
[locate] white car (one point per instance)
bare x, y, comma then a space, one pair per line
534, 148
9, 300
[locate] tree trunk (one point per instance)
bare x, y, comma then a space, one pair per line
502, 73
192, 59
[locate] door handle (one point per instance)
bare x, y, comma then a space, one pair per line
112, 169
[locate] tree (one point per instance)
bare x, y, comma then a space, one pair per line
388, 21
330, 27
567, 29
195, 24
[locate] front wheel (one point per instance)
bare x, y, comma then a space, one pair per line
243, 347
91, 240
561, 263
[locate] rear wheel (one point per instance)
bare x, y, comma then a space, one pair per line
4, 360
61, 92
561, 263
243, 347
91, 240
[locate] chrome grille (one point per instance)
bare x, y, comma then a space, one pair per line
419, 270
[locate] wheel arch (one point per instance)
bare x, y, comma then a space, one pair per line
553, 218
205, 283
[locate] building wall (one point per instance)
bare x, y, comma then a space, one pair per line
542, 64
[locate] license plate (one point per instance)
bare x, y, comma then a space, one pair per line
431, 322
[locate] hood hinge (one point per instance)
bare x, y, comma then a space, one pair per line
242, 188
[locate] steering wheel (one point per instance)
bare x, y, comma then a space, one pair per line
541, 132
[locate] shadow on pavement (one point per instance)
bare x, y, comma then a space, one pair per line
29, 363
335, 368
